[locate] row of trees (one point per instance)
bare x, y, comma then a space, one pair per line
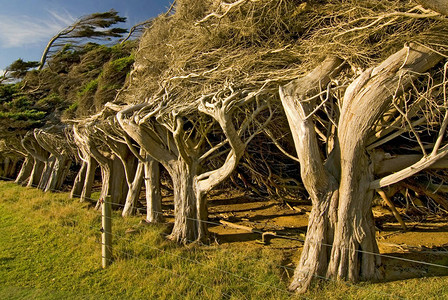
222, 87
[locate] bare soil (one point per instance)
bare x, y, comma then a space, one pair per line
403, 252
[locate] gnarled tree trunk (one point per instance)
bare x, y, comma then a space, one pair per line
36, 173
79, 181
25, 170
152, 190
341, 188
42, 163
134, 189
92, 165
86, 175
440, 6
180, 154
59, 162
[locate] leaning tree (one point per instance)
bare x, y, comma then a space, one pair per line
91, 141
185, 137
96, 26
52, 157
364, 122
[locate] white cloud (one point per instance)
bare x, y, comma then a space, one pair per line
65, 18
17, 31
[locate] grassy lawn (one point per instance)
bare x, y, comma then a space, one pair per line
49, 249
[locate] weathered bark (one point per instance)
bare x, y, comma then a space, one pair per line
10, 167
134, 190
42, 162
79, 181
133, 174
344, 182
112, 170
186, 225
364, 102
387, 165
112, 183
118, 186
440, 6
58, 173
152, 190
36, 173
25, 170
319, 182
182, 159
54, 142
48, 169
92, 165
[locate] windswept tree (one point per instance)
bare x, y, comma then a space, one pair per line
98, 26
115, 151
387, 103
17, 70
91, 140
185, 137
52, 157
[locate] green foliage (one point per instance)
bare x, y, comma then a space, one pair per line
49, 102
73, 106
32, 115
7, 92
93, 26
18, 112
122, 63
20, 103
90, 87
70, 112
19, 68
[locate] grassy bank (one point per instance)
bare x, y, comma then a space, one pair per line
49, 249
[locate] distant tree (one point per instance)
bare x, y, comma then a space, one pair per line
96, 26
18, 69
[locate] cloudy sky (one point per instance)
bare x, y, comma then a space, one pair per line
27, 25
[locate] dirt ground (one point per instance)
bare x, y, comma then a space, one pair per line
426, 239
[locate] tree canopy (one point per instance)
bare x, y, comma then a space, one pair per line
97, 26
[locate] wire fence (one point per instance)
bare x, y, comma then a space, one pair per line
233, 274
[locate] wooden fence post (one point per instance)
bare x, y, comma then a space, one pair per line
106, 237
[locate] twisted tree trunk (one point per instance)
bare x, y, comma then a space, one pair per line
321, 185
92, 165
36, 173
59, 161
186, 225
79, 181
341, 188
179, 153
10, 167
42, 162
152, 190
440, 6
86, 175
25, 170
132, 179
134, 189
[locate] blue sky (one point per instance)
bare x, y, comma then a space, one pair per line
27, 25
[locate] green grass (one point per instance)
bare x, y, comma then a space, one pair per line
49, 249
